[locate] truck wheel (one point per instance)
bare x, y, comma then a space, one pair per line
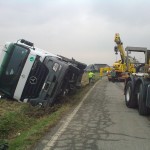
130, 98
141, 97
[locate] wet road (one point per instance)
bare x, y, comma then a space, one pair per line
100, 122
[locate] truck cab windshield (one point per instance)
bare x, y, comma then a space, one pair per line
12, 64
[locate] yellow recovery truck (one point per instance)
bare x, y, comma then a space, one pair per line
121, 65
106, 71
137, 85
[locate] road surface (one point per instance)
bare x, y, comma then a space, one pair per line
100, 122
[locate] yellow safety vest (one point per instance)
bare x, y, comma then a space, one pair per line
90, 74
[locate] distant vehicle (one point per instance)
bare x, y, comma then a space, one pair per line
106, 71
29, 74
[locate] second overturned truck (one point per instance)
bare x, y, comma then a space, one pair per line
29, 74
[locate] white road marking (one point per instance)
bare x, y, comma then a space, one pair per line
62, 128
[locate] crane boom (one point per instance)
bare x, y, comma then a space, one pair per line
120, 66
120, 48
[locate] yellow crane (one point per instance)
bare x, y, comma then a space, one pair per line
121, 65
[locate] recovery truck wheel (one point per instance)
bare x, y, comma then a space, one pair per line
141, 98
130, 97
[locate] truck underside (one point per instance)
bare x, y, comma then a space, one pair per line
57, 83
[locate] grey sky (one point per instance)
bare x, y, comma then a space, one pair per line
82, 29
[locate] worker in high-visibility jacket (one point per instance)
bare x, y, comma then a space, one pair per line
90, 75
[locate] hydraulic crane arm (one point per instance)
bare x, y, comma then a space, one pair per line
120, 48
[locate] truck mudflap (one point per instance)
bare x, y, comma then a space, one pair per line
148, 96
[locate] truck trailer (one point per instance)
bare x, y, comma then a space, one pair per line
30, 74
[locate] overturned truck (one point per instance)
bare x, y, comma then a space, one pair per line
29, 74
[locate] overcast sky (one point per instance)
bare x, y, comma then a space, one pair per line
82, 29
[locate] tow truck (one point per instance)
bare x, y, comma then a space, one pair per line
120, 66
30, 74
137, 85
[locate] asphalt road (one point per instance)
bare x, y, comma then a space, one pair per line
100, 122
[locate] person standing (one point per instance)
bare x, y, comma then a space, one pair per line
90, 75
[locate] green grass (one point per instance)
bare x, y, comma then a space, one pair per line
27, 138
22, 125
22, 128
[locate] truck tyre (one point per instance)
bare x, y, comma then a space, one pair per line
130, 98
141, 98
